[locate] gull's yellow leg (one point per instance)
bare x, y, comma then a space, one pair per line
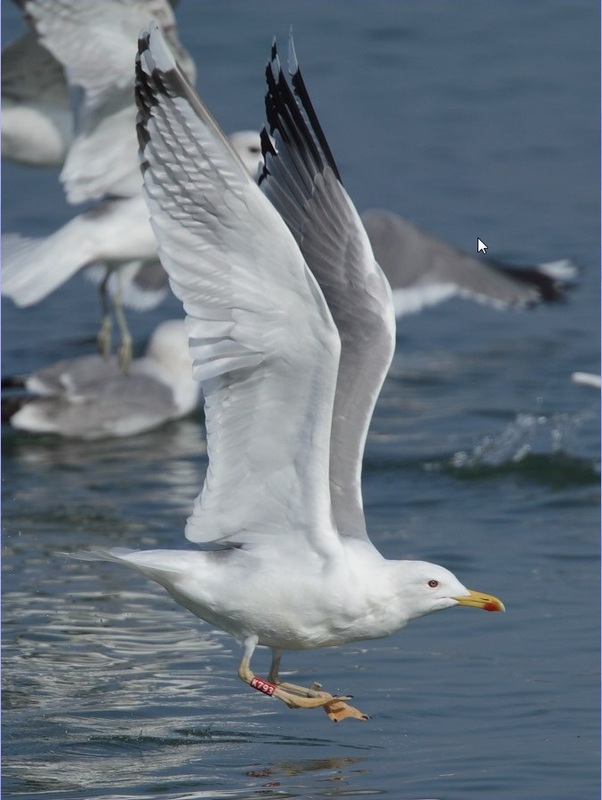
273, 677
124, 351
292, 699
335, 707
103, 338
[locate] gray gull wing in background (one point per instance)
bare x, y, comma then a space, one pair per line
302, 181
90, 398
424, 271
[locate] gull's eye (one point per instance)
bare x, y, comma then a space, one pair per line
433, 584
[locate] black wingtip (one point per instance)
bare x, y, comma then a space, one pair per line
151, 81
301, 93
267, 149
13, 382
143, 94
290, 112
550, 289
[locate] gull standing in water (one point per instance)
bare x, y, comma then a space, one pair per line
291, 329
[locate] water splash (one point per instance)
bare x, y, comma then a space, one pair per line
537, 445
527, 434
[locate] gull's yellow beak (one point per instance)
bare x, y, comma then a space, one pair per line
479, 600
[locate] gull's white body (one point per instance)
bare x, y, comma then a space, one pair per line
293, 599
116, 232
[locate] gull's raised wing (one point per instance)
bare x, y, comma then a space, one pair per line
261, 335
302, 181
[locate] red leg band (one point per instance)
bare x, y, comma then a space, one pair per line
262, 686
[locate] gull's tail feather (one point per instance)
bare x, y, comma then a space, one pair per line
155, 564
116, 554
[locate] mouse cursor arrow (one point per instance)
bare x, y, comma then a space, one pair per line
481, 246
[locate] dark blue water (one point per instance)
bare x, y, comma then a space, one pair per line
471, 119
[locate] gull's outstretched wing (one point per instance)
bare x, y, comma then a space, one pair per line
263, 341
102, 156
424, 271
302, 181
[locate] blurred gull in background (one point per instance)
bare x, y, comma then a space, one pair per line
113, 240
90, 397
101, 165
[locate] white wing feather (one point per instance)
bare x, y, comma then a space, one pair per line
261, 335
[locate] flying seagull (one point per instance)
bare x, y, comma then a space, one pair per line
291, 330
